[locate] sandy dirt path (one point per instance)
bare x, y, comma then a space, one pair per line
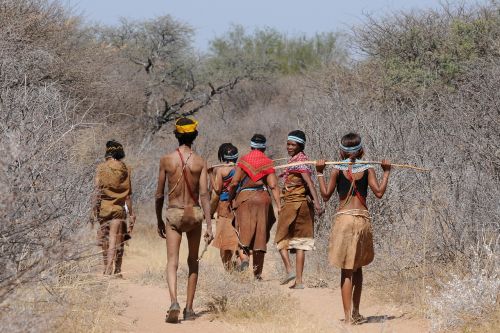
144, 308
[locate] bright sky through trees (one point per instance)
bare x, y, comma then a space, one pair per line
213, 18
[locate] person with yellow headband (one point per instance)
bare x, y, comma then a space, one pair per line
187, 176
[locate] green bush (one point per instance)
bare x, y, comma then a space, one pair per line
431, 47
268, 51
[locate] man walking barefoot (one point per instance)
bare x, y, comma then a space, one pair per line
187, 177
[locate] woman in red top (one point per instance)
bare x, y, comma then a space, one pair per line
254, 213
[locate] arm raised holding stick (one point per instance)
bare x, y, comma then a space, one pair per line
404, 166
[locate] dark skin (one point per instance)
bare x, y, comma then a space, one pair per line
171, 171
293, 148
217, 185
351, 281
271, 182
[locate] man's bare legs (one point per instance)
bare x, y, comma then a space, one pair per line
115, 240
173, 245
193, 238
173, 239
346, 291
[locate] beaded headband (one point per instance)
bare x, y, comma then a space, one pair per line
353, 149
231, 157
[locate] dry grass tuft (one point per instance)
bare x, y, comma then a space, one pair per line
459, 300
488, 326
76, 302
238, 297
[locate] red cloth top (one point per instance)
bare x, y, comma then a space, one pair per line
256, 164
303, 168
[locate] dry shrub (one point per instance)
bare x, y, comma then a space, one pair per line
45, 187
466, 295
46, 202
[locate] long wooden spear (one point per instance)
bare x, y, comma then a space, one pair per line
406, 166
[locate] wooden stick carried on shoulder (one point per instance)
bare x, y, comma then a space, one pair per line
406, 166
233, 164
220, 165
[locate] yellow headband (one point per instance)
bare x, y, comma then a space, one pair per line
189, 128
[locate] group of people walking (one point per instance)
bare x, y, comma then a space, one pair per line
240, 192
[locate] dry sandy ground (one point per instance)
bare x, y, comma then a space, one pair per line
145, 308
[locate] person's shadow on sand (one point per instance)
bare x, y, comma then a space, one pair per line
380, 319
377, 319
198, 315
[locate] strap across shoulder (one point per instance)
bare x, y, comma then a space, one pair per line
186, 174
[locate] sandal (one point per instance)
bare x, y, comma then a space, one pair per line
173, 313
287, 278
297, 286
189, 314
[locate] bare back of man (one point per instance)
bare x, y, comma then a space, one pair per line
186, 173
179, 195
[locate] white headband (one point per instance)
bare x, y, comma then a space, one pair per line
231, 157
257, 145
353, 149
296, 139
